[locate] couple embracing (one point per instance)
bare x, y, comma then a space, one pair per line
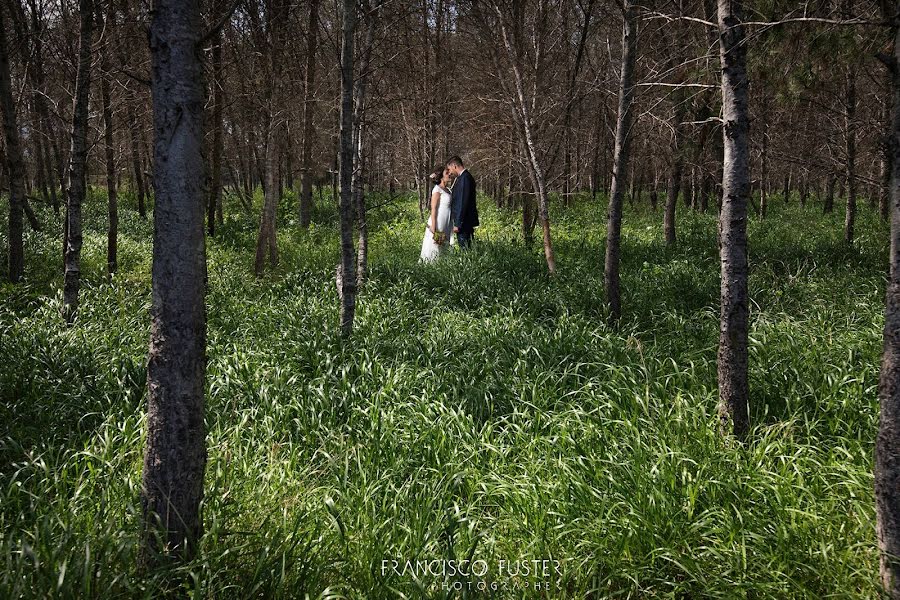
450, 213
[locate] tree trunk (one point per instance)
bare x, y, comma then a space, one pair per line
214, 202
734, 323
306, 184
77, 164
175, 452
671, 203
887, 444
266, 241
40, 104
362, 257
536, 173
828, 204
346, 279
135, 158
14, 165
850, 114
620, 163
109, 148
679, 99
763, 192
886, 162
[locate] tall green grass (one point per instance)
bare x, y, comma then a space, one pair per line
481, 410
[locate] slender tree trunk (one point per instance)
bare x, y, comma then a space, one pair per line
763, 195
362, 254
308, 114
828, 204
346, 279
109, 148
850, 215
679, 99
536, 172
213, 203
77, 164
620, 162
175, 451
887, 444
266, 241
137, 170
14, 164
734, 325
362, 257
672, 202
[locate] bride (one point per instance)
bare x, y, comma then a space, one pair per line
438, 233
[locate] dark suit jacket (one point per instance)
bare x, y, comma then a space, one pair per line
462, 205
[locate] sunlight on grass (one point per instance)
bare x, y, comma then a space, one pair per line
482, 409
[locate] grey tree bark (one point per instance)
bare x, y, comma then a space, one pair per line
175, 451
14, 165
309, 130
620, 162
734, 312
77, 187
887, 443
346, 279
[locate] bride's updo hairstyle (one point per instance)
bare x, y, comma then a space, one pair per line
436, 175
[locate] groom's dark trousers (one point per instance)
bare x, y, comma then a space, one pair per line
464, 209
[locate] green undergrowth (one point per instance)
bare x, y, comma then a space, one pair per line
481, 410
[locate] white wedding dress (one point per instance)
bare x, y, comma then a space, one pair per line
431, 250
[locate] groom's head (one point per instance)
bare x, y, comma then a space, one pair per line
456, 166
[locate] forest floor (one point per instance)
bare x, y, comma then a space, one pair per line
482, 410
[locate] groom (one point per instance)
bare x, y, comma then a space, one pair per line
463, 210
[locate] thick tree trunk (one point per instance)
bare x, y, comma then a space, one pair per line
77, 164
175, 452
734, 323
887, 444
14, 164
620, 163
306, 184
346, 280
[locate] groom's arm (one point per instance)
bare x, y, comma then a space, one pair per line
459, 201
